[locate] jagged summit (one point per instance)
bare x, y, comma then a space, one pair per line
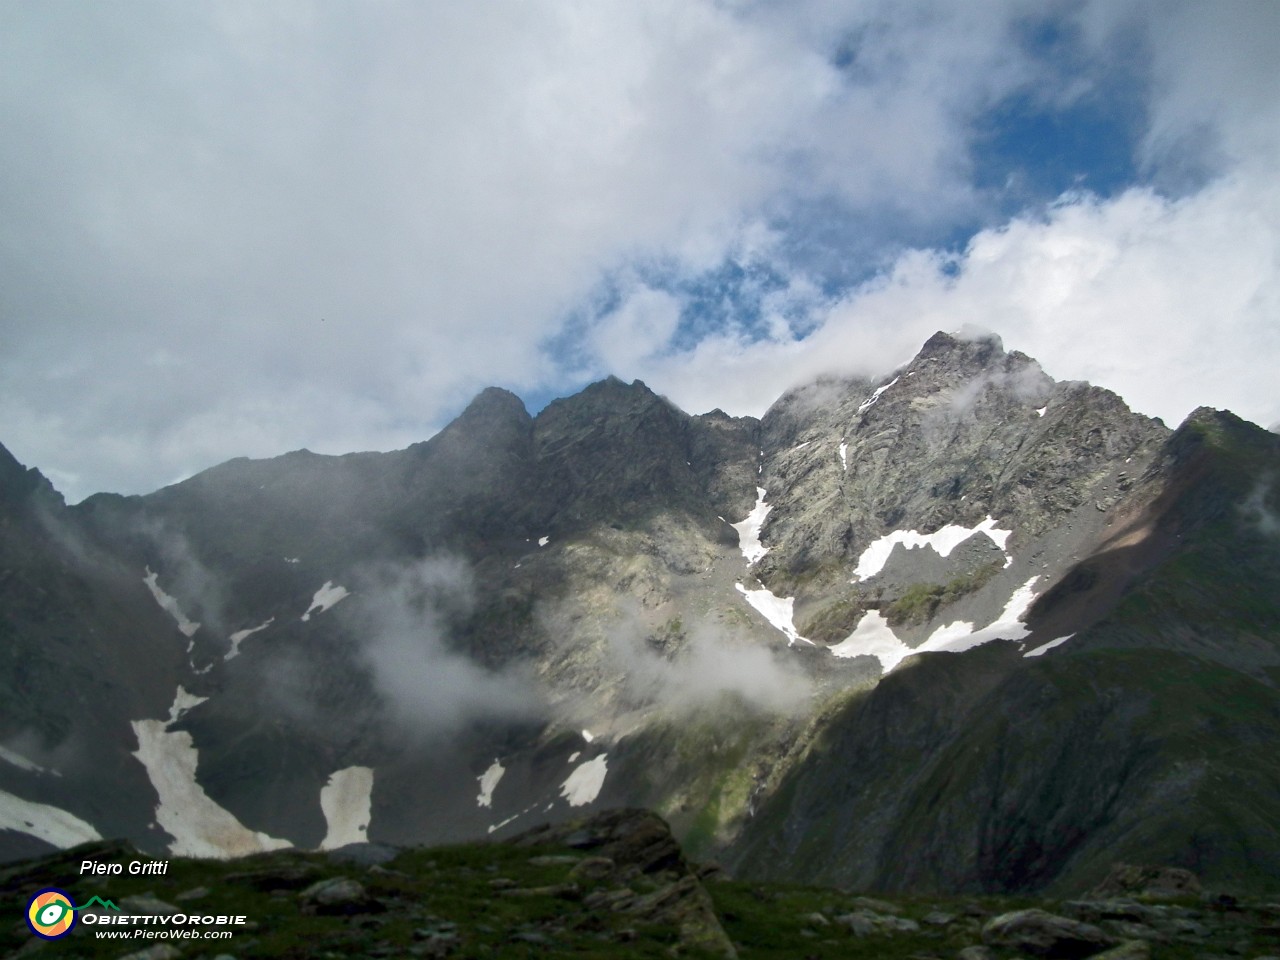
20, 483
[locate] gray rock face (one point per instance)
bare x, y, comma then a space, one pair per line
962, 433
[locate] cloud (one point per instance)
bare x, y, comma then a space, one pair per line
431, 689
236, 229
641, 326
1256, 510
699, 667
1170, 302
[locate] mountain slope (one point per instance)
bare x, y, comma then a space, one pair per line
961, 627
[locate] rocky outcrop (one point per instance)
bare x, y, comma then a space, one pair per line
647, 876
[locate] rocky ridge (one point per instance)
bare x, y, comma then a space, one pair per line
981, 631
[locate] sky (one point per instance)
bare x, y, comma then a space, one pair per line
237, 229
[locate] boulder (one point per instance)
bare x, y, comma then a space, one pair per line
1127, 879
1045, 934
339, 896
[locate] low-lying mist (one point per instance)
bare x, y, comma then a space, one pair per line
407, 616
704, 662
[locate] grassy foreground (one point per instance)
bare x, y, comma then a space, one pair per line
614, 885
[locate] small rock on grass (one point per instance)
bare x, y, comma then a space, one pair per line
592, 868
1129, 950
338, 896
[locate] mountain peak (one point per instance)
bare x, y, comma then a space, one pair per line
17, 481
495, 403
615, 383
968, 341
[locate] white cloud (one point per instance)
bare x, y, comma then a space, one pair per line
239, 229
640, 327
428, 687
1172, 303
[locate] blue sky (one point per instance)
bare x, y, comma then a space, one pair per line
240, 229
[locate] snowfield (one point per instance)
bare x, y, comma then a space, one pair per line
871, 400
240, 636
779, 611
488, 783
874, 637
169, 604
22, 763
325, 598
347, 802
749, 529
584, 784
943, 540
1046, 647
50, 824
199, 826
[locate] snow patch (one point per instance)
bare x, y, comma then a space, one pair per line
199, 826
1041, 411
573, 757
347, 803
749, 529
587, 736
325, 598
50, 824
844, 455
240, 636
1007, 626
875, 395
502, 823
779, 611
943, 540
22, 763
1046, 647
292, 559
584, 784
169, 604
874, 637
543, 541
182, 702
488, 781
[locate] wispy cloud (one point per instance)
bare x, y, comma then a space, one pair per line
408, 615
699, 665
